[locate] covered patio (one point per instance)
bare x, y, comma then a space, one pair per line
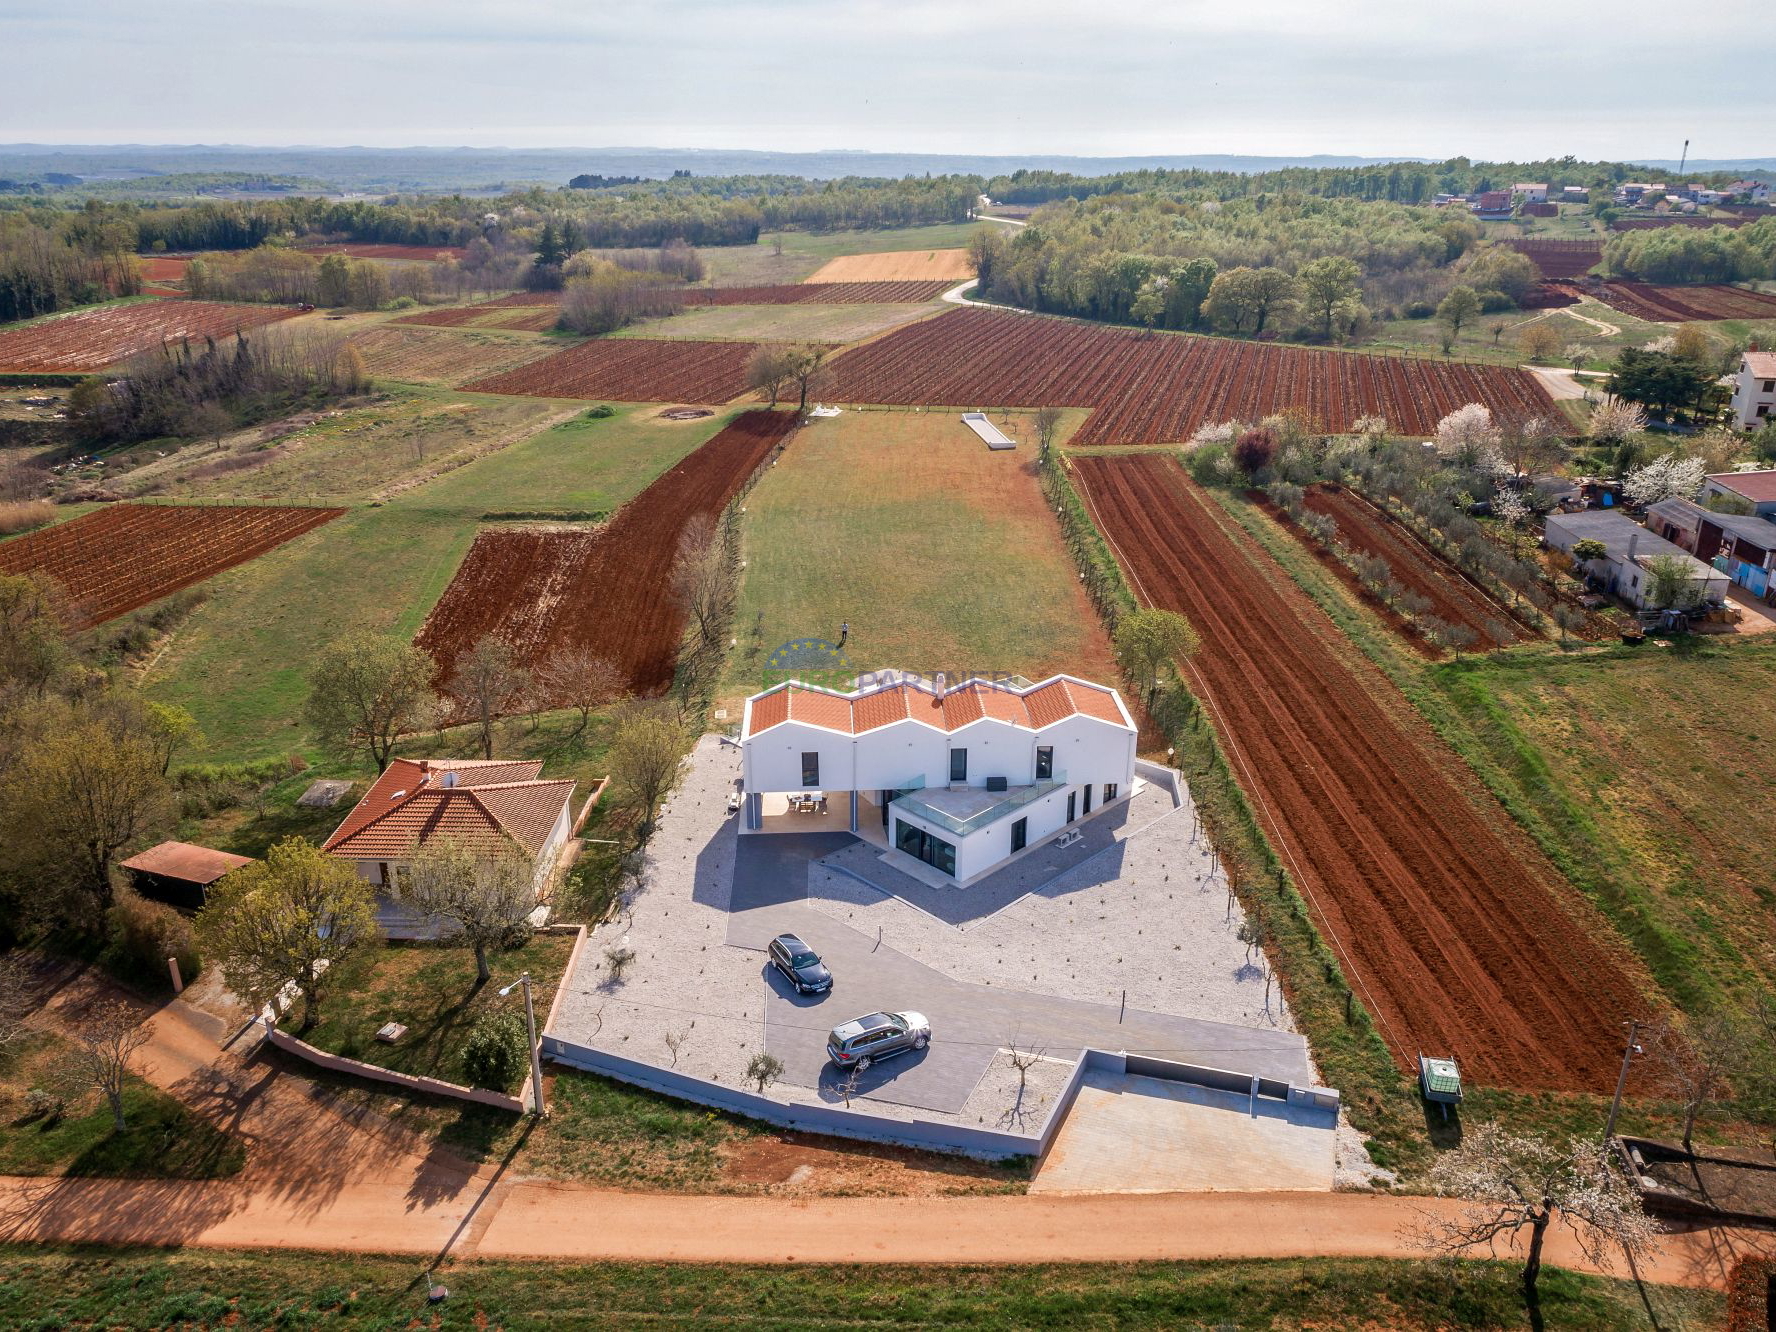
815, 812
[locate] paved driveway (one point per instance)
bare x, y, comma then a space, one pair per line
969, 1021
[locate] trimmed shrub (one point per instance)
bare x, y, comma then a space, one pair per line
496, 1053
143, 935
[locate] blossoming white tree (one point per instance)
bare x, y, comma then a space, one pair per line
1670, 477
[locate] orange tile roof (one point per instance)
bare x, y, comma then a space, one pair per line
491, 801
871, 709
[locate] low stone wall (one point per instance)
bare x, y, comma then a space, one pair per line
843, 1122
407, 1081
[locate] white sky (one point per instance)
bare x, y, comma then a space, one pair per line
1430, 78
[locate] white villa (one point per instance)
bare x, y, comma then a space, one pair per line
959, 778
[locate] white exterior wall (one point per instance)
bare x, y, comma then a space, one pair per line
1711, 488
1753, 403
889, 757
986, 847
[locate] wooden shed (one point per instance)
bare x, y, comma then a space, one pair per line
179, 873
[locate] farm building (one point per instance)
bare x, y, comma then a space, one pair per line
1492, 204
1754, 390
1536, 193
1574, 194
1628, 547
480, 804
179, 873
1757, 489
955, 779
1742, 547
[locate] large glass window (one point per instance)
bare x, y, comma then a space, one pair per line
1072, 806
1045, 762
1109, 792
934, 851
810, 768
1087, 791
1020, 835
958, 765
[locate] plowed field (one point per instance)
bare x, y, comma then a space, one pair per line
417, 253
948, 266
427, 356
100, 337
1158, 389
1680, 304
118, 558
1454, 599
632, 370
820, 293
532, 318
1451, 925
604, 591
1559, 260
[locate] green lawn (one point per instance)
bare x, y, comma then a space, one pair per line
161, 1138
65, 1286
431, 990
1424, 337
940, 554
240, 662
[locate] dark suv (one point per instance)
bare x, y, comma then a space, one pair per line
801, 965
862, 1041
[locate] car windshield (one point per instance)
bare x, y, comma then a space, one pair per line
803, 960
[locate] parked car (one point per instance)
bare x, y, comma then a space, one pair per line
862, 1041
801, 965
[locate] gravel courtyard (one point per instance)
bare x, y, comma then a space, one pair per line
1043, 973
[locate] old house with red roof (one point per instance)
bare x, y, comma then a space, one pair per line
958, 777
476, 803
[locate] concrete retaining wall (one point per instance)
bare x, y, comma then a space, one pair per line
934, 1135
359, 1069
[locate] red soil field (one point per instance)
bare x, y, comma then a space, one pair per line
159, 268
604, 591
1454, 599
1680, 304
631, 370
1559, 260
116, 559
820, 293
1157, 389
416, 253
493, 314
1453, 930
106, 334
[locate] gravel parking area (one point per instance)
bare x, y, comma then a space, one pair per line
1045, 972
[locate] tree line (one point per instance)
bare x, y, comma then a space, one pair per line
1694, 254
52, 260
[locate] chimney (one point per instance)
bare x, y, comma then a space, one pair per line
1633, 541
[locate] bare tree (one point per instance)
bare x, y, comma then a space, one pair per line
702, 580
618, 959
674, 1042
807, 368
1023, 1060
486, 679
770, 369
1698, 1062
646, 749
15, 996
484, 894
105, 1044
1048, 426
579, 679
848, 1085
1521, 1182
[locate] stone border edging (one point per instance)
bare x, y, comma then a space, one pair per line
839, 1121
410, 1082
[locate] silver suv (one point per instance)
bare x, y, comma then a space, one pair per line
862, 1041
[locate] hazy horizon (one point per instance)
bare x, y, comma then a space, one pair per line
1039, 78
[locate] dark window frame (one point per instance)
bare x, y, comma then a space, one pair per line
1045, 763
959, 764
811, 765
1020, 835
1110, 792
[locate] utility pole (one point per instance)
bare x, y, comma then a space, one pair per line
1628, 1053
1681, 161
536, 1060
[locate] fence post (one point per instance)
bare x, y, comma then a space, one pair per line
173, 970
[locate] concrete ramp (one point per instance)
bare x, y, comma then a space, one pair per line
1131, 1134
996, 438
